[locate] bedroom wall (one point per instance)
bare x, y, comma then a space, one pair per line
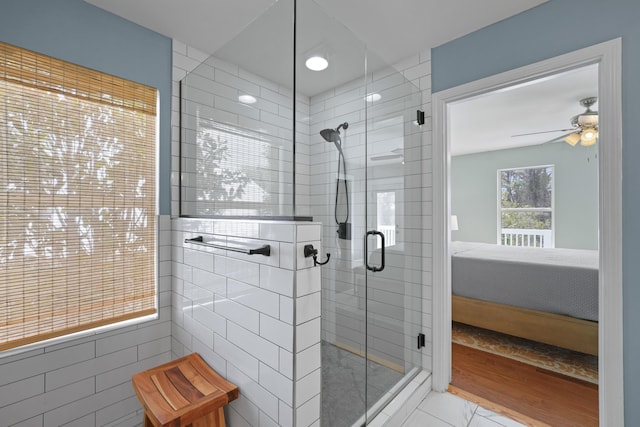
474, 192
545, 32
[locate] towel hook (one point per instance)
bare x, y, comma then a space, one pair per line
309, 250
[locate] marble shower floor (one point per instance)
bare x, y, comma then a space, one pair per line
343, 385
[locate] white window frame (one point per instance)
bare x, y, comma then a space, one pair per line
551, 209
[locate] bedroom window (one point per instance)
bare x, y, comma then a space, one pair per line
77, 199
526, 207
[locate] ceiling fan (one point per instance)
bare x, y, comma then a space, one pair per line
584, 127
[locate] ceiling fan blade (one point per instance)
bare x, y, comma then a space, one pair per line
546, 131
559, 138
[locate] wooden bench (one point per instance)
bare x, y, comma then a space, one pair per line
184, 392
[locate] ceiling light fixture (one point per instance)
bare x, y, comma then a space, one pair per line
588, 137
247, 99
573, 139
316, 63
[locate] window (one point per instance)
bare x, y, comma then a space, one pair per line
234, 172
77, 198
386, 217
526, 206
231, 163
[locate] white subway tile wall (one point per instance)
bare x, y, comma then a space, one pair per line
87, 381
324, 111
249, 146
418, 70
246, 320
402, 292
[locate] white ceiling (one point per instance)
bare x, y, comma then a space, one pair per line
392, 30
488, 122
256, 35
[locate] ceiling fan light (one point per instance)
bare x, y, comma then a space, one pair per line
588, 137
573, 139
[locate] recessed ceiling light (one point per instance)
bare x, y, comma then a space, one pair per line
373, 97
317, 63
247, 99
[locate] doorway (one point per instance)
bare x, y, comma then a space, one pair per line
607, 58
524, 256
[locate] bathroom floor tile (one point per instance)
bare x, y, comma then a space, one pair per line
447, 407
478, 421
497, 418
448, 410
420, 419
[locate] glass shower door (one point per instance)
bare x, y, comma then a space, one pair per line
361, 165
392, 246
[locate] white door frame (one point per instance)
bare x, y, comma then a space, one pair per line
609, 57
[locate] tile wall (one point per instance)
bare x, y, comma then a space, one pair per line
417, 71
401, 294
86, 382
255, 319
257, 136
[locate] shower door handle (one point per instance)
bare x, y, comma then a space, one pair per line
366, 251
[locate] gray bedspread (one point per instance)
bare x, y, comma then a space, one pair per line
560, 281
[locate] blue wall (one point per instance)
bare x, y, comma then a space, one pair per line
86, 35
551, 29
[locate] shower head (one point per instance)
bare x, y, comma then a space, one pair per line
333, 135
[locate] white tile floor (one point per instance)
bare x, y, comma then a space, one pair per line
447, 410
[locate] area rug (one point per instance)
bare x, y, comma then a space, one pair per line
566, 362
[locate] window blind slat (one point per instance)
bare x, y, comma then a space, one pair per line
50, 74
77, 198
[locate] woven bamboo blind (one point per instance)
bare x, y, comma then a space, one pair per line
77, 198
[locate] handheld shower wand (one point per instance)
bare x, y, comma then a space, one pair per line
333, 135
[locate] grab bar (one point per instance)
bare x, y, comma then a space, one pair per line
264, 250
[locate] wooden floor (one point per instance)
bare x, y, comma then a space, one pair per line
538, 394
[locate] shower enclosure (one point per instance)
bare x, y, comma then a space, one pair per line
265, 137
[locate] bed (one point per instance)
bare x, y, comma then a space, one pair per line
543, 294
